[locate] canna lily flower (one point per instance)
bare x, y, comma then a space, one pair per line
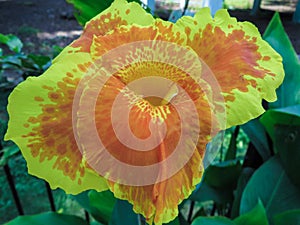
133, 92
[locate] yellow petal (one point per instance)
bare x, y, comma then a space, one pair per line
246, 68
40, 111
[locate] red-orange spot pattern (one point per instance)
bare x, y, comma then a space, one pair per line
50, 134
97, 27
230, 57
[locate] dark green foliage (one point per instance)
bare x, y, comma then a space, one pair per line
86, 10
17, 62
49, 218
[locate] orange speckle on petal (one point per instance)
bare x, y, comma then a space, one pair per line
127, 11
47, 88
188, 30
82, 67
69, 74
38, 99
33, 120
53, 95
53, 138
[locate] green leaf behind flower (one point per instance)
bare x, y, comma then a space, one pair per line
48, 218
289, 92
86, 10
271, 185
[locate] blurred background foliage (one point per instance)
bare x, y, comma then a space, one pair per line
254, 179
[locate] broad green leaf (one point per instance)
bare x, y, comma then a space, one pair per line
12, 41
218, 183
285, 116
212, 221
271, 185
48, 218
223, 175
257, 216
287, 143
99, 204
288, 217
289, 92
257, 134
123, 214
102, 205
83, 200
207, 193
86, 10
242, 182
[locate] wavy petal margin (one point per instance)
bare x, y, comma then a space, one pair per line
119, 13
40, 123
245, 66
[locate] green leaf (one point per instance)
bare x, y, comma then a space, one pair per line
48, 218
99, 204
3, 39
218, 183
12, 41
83, 200
223, 175
242, 182
257, 134
271, 185
212, 221
102, 205
12, 61
285, 116
287, 142
257, 216
288, 217
123, 212
208, 193
289, 92
86, 10
40, 60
